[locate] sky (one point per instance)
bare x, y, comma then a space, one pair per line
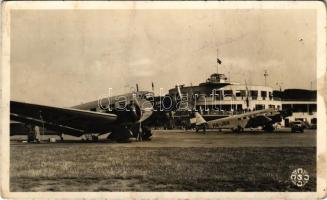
68, 57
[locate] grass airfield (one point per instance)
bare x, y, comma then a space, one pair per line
171, 161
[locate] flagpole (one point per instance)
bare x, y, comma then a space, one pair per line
217, 60
152, 87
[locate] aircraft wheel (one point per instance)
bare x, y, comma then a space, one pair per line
269, 128
146, 134
121, 135
239, 129
30, 138
204, 130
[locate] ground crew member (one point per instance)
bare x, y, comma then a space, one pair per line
30, 133
37, 134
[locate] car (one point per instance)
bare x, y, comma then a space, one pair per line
297, 126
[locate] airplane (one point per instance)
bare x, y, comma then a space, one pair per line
122, 116
265, 118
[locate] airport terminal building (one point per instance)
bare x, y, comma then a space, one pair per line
217, 97
303, 104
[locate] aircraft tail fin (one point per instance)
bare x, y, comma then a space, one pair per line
199, 120
187, 100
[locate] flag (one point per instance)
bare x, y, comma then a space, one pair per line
152, 86
219, 61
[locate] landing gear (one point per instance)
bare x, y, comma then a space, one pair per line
203, 127
146, 133
239, 129
61, 137
95, 138
269, 128
31, 138
142, 134
120, 134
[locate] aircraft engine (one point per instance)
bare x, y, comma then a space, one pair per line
129, 113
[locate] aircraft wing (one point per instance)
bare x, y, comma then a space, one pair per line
65, 120
258, 121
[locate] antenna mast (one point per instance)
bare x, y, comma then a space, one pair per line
265, 75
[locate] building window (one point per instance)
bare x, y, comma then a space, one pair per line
217, 94
254, 94
243, 93
259, 106
286, 106
240, 93
300, 108
239, 107
228, 93
313, 107
263, 95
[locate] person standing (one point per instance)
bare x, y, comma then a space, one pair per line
37, 134
30, 133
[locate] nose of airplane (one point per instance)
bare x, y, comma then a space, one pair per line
138, 112
135, 111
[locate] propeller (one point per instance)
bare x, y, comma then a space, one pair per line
136, 108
